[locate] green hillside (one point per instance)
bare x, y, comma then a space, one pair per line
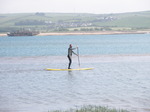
52, 22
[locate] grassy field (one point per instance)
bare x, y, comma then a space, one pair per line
54, 22
91, 108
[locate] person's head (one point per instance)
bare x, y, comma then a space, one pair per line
70, 46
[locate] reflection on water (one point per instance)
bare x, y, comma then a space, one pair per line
116, 81
70, 73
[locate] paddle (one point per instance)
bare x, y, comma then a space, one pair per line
78, 56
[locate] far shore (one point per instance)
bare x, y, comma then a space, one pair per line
89, 33
94, 33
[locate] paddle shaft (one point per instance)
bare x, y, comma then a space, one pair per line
78, 56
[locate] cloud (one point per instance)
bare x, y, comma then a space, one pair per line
77, 6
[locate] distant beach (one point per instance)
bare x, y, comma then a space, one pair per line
3, 34
94, 33
90, 33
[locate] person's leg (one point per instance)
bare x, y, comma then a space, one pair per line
70, 61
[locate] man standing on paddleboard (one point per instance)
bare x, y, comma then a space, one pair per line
70, 51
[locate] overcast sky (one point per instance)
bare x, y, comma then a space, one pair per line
73, 6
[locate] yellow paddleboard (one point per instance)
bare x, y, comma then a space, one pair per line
49, 69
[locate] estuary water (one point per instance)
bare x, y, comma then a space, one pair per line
120, 78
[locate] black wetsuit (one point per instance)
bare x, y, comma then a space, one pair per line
70, 51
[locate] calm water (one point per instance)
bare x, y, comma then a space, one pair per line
88, 44
120, 77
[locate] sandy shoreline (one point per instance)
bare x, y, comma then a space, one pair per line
90, 33
3, 34
93, 33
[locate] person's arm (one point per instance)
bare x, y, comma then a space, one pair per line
73, 49
74, 53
